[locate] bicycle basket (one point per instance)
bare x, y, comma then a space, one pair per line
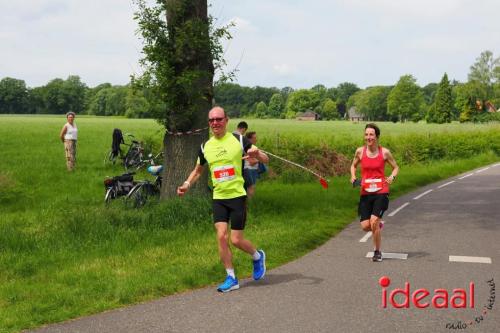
124, 183
124, 187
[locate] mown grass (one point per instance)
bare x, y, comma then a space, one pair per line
63, 254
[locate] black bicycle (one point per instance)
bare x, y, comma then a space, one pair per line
145, 189
134, 155
118, 186
133, 158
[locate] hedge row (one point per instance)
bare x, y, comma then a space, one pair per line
333, 155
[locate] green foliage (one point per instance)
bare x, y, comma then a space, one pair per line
276, 106
240, 101
441, 110
429, 92
496, 95
406, 101
321, 90
371, 102
14, 96
137, 106
329, 110
486, 69
341, 95
181, 55
302, 100
285, 92
469, 97
261, 110
109, 102
59, 96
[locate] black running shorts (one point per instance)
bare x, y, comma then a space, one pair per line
372, 204
231, 209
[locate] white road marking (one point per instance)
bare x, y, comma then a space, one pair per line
421, 195
481, 260
365, 237
481, 170
394, 212
388, 255
470, 174
448, 183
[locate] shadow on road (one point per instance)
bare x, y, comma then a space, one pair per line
417, 254
272, 279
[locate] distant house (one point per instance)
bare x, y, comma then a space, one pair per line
490, 107
308, 115
353, 115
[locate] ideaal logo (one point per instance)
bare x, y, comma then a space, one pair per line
440, 299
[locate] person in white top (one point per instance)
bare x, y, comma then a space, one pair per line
69, 135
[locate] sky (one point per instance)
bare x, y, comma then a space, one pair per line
297, 43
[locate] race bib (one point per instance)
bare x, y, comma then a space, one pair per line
224, 173
372, 184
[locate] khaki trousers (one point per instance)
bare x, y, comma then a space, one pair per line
70, 150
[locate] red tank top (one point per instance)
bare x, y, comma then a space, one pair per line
373, 173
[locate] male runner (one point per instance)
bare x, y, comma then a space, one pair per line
224, 153
374, 200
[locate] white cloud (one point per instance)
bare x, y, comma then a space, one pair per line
284, 69
275, 43
48, 39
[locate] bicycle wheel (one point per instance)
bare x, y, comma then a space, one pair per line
110, 195
110, 158
138, 195
132, 159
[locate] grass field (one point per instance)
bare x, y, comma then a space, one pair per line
63, 254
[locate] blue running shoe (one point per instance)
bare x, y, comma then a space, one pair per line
259, 266
229, 284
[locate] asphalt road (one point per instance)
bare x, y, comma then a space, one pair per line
336, 288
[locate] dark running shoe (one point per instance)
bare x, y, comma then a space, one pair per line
377, 256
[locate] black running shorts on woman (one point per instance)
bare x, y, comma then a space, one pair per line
231, 209
373, 204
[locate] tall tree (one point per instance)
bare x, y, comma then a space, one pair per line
285, 92
276, 106
181, 54
371, 102
429, 92
54, 97
406, 101
74, 93
441, 111
329, 110
301, 100
342, 94
321, 90
13, 96
109, 101
485, 69
261, 110
469, 100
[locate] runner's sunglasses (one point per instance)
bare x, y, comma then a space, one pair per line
213, 120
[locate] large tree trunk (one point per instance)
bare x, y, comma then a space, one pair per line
180, 151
